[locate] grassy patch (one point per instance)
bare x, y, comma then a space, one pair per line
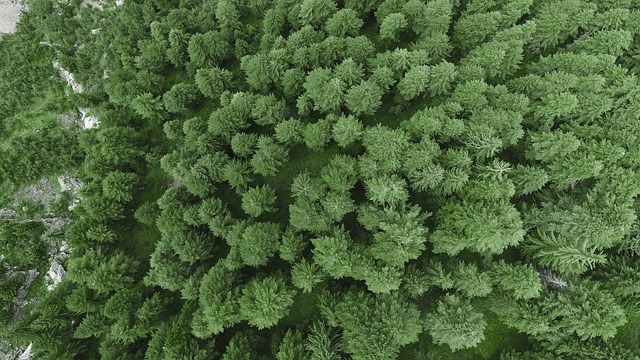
138, 240
303, 311
629, 334
498, 337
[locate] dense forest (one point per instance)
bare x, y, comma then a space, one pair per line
322, 179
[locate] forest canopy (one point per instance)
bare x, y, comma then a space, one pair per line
325, 179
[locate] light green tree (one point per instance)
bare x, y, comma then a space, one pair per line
265, 301
455, 323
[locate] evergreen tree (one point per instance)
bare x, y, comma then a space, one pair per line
376, 328
470, 281
563, 255
258, 243
306, 276
324, 90
269, 157
264, 302
258, 200
364, 98
218, 302
347, 130
213, 82
344, 22
455, 323
292, 347
523, 281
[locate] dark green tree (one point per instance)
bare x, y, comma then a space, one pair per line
258, 200
213, 82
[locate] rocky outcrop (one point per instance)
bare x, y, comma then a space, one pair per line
43, 192
21, 299
68, 77
55, 275
26, 354
87, 121
56, 272
70, 184
10, 11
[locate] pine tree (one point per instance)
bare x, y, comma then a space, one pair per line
213, 82
269, 157
292, 347
344, 22
376, 328
306, 275
324, 90
264, 302
455, 323
258, 200
470, 281
347, 130
364, 98
292, 246
289, 132
523, 281
392, 26
259, 243
317, 135
562, 254
218, 302
587, 311
414, 82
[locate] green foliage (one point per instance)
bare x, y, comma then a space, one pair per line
376, 328
344, 22
218, 302
264, 302
315, 12
292, 246
30, 155
470, 281
119, 186
347, 130
91, 325
259, 242
207, 50
364, 98
179, 97
213, 82
147, 213
269, 163
258, 200
398, 243
414, 82
385, 146
102, 274
306, 276
21, 243
455, 323
269, 157
520, 279
325, 91
292, 347
317, 135
496, 226
563, 255
289, 132
392, 26
594, 312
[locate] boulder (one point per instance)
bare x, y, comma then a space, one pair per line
55, 275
